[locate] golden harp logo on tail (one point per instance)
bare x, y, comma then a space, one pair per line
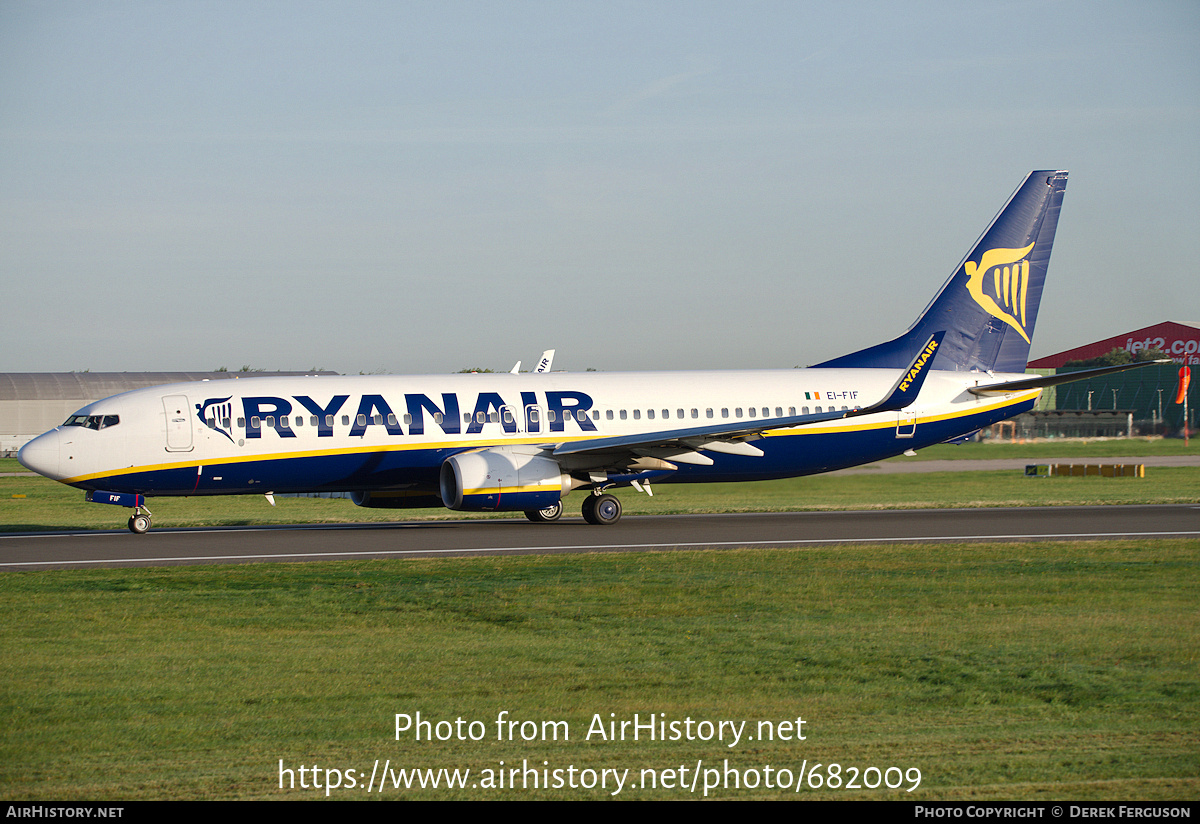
1000, 282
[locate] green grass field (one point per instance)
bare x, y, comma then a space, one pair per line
1049, 671
1008, 671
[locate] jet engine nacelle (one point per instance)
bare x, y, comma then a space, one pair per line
502, 479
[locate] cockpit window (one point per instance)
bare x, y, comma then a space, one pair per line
93, 421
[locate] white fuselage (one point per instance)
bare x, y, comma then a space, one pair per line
379, 432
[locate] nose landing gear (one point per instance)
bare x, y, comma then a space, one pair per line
139, 521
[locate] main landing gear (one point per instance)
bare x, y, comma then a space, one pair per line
601, 509
597, 510
545, 516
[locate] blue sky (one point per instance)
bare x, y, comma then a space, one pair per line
422, 187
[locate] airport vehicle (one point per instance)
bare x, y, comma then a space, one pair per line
523, 442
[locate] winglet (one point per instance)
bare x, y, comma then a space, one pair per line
905, 390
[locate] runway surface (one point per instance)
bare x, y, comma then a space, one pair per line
169, 547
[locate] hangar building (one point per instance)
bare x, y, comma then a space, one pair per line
1141, 400
1181, 342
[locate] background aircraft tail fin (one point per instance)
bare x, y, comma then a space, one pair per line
989, 306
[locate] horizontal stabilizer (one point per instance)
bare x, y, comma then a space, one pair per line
1042, 381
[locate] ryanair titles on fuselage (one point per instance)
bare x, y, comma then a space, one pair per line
548, 413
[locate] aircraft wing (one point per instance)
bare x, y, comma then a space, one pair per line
725, 437
682, 444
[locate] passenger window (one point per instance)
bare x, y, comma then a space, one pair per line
241, 422
299, 420
313, 421
392, 419
362, 420
792, 410
695, 413
437, 418
725, 412
637, 414
679, 413
650, 414
254, 422
345, 420
737, 413
624, 415
608, 415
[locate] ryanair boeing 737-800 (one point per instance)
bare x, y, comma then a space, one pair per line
522, 442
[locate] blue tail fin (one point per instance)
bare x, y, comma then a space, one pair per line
989, 306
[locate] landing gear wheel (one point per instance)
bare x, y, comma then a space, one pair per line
139, 524
546, 514
601, 509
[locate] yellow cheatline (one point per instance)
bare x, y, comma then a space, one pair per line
509, 491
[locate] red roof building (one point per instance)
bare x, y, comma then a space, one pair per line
1181, 342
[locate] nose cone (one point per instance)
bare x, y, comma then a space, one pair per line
43, 455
